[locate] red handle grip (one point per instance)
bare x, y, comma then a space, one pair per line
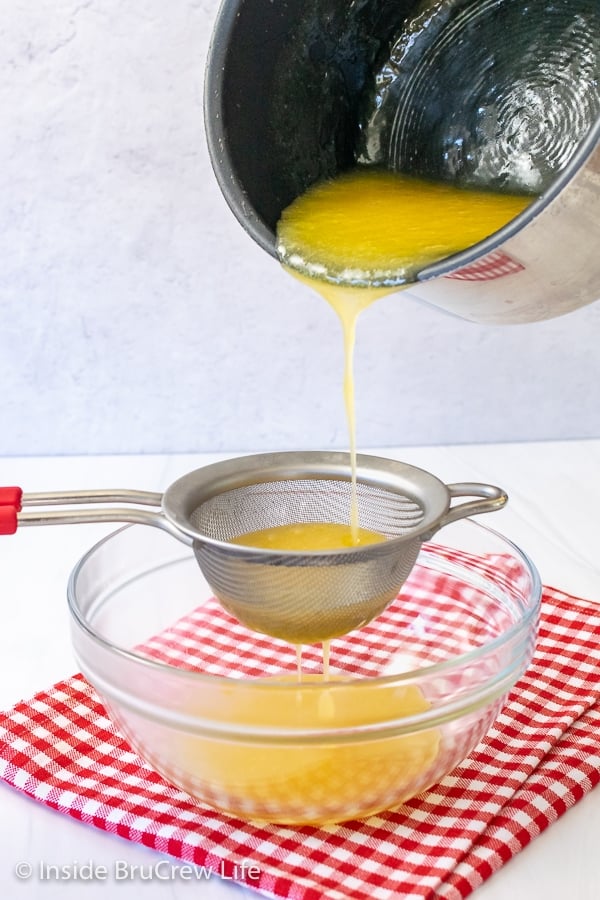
11, 496
8, 519
10, 504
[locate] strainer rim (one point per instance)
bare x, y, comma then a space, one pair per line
330, 460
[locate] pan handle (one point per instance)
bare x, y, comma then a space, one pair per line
144, 508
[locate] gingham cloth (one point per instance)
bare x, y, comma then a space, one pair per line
541, 756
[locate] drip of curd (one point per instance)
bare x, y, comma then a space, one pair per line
353, 240
368, 233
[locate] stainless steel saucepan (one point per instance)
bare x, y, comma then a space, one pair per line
498, 94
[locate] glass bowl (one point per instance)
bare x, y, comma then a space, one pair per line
219, 711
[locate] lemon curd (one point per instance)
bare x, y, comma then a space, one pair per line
377, 229
368, 233
308, 537
353, 240
314, 782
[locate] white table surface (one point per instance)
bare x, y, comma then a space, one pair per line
553, 514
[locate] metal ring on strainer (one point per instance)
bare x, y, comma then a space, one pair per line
301, 597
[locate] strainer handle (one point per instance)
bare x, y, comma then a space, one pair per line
145, 508
492, 498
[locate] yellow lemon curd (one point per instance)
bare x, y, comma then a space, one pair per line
324, 778
353, 239
330, 778
370, 227
368, 233
309, 537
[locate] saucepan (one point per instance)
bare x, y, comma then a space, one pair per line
483, 93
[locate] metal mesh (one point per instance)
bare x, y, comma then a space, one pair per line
288, 502
306, 597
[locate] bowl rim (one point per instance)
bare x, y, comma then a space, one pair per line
397, 679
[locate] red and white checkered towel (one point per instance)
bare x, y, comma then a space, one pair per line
542, 755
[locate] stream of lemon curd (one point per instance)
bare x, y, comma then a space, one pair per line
353, 239
367, 234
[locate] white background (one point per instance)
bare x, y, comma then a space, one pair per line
136, 315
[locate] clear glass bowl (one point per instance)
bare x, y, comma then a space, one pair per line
219, 712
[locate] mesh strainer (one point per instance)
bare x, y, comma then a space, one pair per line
302, 597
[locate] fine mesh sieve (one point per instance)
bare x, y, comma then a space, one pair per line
301, 597
306, 597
